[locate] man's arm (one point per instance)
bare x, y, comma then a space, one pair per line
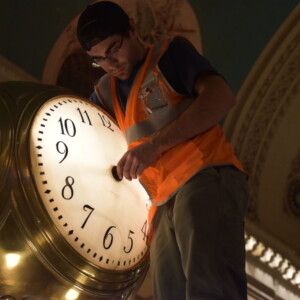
214, 99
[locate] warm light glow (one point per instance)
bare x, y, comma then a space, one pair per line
259, 250
289, 273
276, 261
296, 280
251, 242
267, 255
12, 260
284, 266
89, 167
272, 259
72, 295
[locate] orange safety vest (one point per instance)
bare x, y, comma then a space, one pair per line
151, 105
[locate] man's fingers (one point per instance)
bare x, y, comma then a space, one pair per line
127, 166
140, 170
130, 168
134, 168
120, 166
135, 161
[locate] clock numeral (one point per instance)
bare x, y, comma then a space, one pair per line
63, 151
131, 242
83, 118
108, 238
67, 126
105, 121
144, 230
87, 207
67, 189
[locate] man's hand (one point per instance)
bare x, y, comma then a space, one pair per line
214, 99
136, 160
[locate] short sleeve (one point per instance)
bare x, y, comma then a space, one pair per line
181, 64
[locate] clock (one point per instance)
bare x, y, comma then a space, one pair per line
81, 220
73, 149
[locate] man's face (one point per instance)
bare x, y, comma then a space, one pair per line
117, 55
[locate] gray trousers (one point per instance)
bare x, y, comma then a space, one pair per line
198, 247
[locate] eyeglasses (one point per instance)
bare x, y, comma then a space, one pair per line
111, 53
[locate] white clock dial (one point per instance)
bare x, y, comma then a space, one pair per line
73, 147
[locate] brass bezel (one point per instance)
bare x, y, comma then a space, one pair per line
6, 157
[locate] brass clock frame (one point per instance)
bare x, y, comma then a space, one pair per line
6, 155
43, 236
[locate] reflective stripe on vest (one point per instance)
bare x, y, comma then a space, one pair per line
159, 119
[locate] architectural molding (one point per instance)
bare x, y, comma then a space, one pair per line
262, 286
264, 131
263, 100
293, 186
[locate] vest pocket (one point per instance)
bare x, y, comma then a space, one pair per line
153, 96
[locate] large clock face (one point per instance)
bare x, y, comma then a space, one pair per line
73, 148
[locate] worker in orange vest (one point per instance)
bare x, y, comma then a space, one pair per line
168, 100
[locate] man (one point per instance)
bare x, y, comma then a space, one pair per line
168, 100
